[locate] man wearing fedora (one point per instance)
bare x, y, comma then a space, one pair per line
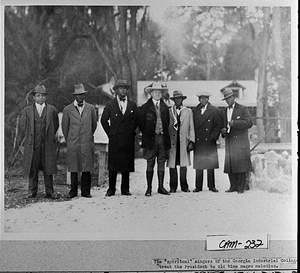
39, 122
119, 120
154, 125
182, 135
236, 122
79, 123
208, 125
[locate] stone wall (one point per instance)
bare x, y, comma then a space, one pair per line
271, 172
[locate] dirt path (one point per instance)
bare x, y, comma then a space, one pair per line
180, 216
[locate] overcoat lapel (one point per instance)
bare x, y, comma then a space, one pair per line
31, 118
48, 116
207, 113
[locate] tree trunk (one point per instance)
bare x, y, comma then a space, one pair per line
261, 92
283, 88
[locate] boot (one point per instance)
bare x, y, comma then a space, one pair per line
161, 188
149, 176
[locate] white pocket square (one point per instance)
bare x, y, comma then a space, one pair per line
238, 117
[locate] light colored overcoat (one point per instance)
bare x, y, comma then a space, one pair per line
79, 134
27, 126
186, 134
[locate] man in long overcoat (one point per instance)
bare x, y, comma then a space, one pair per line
154, 125
119, 120
208, 125
39, 122
182, 135
236, 122
79, 123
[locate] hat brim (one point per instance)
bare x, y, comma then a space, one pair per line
121, 85
181, 97
228, 96
150, 89
79, 93
34, 92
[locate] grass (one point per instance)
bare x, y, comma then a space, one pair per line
16, 186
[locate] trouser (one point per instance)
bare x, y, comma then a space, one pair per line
210, 178
237, 181
158, 152
33, 182
85, 183
37, 165
113, 179
182, 178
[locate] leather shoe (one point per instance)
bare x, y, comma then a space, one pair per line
87, 196
213, 190
186, 190
126, 193
148, 192
33, 195
172, 191
70, 196
52, 196
197, 190
230, 190
109, 193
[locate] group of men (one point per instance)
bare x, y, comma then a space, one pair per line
169, 134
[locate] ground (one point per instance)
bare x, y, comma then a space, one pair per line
180, 216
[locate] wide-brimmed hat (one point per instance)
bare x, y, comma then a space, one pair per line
121, 83
178, 94
156, 86
203, 94
227, 93
40, 89
79, 89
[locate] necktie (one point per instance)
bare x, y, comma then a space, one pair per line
157, 105
80, 104
122, 99
230, 107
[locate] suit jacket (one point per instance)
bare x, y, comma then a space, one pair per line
186, 134
79, 134
147, 123
120, 130
27, 126
237, 146
207, 129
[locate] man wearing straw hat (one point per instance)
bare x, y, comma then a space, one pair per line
154, 123
236, 122
40, 123
79, 123
182, 135
119, 120
208, 125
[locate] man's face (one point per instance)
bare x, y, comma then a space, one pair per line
178, 101
39, 98
80, 98
122, 92
203, 100
156, 94
230, 100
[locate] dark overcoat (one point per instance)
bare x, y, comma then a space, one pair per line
27, 126
147, 123
79, 134
120, 130
237, 146
207, 130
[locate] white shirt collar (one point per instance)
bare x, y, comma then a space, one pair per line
40, 105
118, 99
76, 103
156, 101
